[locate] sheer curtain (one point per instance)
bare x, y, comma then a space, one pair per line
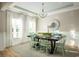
18, 27
14, 27
31, 24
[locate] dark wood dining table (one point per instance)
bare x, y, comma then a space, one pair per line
52, 41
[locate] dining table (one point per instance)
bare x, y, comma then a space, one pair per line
52, 40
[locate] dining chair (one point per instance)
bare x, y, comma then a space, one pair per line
44, 45
60, 45
34, 41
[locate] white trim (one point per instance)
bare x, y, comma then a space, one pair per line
74, 7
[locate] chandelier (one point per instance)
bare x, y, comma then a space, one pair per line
43, 14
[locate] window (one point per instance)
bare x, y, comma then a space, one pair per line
17, 27
32, 25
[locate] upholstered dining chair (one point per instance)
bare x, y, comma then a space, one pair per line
44, 45
60, 45
34, 41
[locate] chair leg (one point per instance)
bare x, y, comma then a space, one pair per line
63, 51
55, 49
46, 49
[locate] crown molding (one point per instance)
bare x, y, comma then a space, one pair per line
6, 5
26, 10
75, 6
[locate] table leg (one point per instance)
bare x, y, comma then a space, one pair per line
52, 47
38, 43
51, 50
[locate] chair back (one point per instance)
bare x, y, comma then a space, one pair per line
60, 37
62, 41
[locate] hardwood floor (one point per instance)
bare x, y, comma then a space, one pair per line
25, 50
8, 53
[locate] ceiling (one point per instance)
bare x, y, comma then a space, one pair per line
36, 6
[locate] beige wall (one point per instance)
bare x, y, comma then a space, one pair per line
68, 21
2, 29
